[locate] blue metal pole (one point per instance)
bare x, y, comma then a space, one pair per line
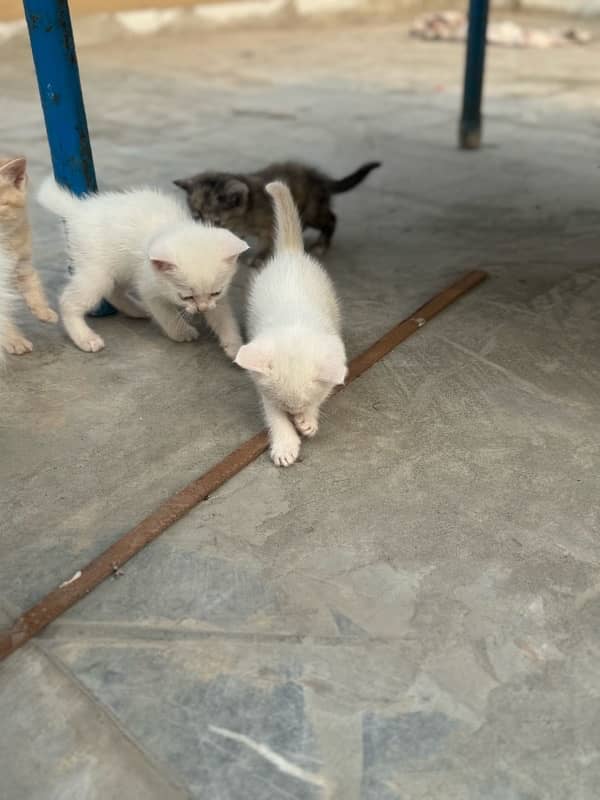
55, 60
470, 122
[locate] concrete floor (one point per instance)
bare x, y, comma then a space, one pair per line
414, 610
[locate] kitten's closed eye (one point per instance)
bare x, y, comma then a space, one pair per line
215, 294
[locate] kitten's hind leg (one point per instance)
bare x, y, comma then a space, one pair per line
259, 255
223, 322
30, 286
127, 305
14, 342
171, 321
82, 294
285, 442
326, 223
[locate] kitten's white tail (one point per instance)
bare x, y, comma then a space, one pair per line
287, 220
56, 198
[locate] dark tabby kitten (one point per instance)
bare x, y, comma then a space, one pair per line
240, 203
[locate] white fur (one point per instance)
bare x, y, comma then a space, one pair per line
144, 240
295, 353
6, 298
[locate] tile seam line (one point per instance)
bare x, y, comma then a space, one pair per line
148, 758
129, 633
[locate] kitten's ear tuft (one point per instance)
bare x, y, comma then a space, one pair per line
184, 183
255, 357
333, 371
162, 266
15, 172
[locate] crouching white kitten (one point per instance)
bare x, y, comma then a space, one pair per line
295, 354
144, 240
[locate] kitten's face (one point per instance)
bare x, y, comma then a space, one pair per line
196, 265
294, 390
297, 374
13, 188
216, 198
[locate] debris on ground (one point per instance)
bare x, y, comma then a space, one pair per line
75, 577
451, 26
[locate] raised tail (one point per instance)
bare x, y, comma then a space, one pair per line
352, 180
56, 198
288, 228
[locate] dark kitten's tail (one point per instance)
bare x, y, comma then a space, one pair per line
352, 180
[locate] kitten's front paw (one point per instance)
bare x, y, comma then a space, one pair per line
47, 315
284, 451
91, 343
187, 334
18, 345
306, 424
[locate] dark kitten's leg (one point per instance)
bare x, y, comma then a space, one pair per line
325, 222
263, 251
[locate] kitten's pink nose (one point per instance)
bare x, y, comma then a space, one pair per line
203, 306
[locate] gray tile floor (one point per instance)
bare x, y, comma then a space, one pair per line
414, 610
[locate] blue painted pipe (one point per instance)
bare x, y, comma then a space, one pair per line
55, 60
470, 122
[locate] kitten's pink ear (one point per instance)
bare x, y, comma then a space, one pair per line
333, 372
162, 266
233, 246
256, 357
15, 172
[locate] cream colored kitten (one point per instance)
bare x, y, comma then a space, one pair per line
295, 355
146, 241
15, 238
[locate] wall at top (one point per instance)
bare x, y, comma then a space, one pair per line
13, 9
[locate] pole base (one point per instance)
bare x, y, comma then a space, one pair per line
469, 137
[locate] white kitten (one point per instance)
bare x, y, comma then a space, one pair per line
144, 240
296, 355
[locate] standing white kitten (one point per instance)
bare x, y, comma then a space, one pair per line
144, 240
296, 354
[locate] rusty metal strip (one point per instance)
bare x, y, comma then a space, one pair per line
103, 566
